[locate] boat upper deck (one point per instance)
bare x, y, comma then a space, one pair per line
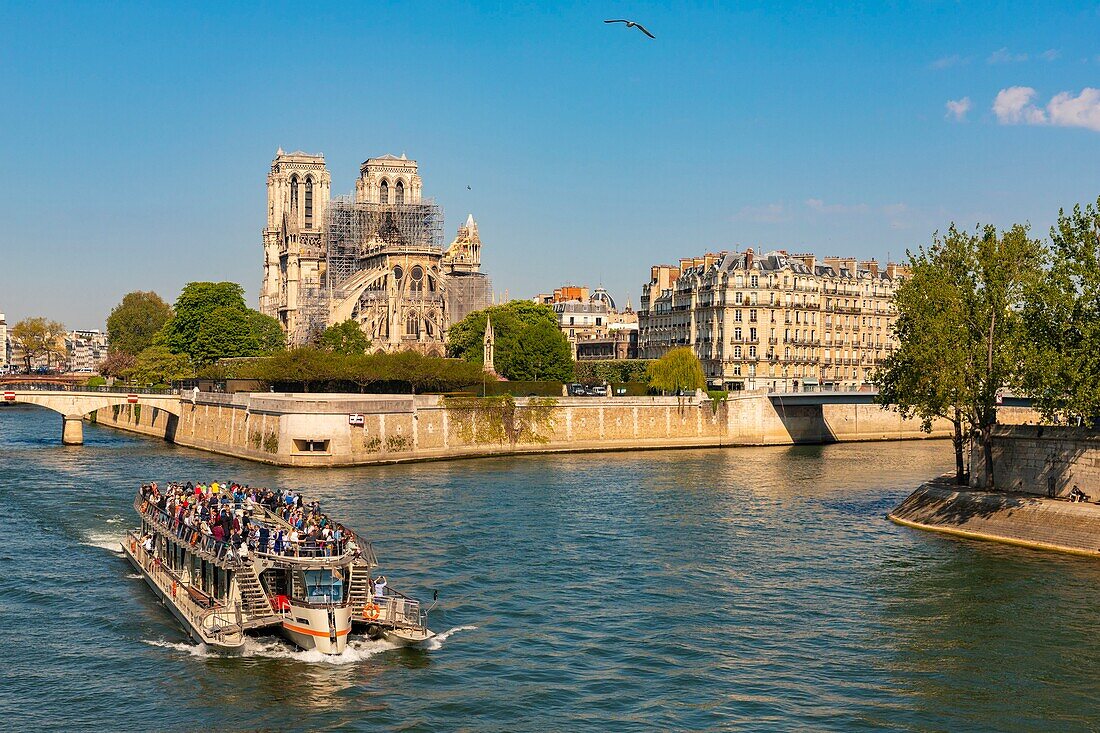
227, 524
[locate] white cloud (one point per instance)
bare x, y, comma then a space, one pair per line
946, 62
1051, 54
822, 208
767, 214
1014, 106
1004, 56
1083, 110
957, 109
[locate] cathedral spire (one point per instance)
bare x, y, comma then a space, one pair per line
490, 341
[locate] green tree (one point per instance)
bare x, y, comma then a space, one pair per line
267, 332
39, 337
346, 337
210, 321
515, 323
925, 378
541, 353
1062, 317
973, 339
678, 370
135, 322
158, 365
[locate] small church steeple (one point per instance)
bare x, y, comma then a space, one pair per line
488, 346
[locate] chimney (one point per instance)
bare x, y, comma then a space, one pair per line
748, 258
871, 265
808, 259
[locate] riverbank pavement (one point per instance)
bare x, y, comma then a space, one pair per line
1026, 520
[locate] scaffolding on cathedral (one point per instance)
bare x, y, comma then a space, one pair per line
356, 231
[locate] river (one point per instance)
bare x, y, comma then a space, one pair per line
718, 589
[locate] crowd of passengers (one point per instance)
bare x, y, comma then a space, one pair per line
232, 516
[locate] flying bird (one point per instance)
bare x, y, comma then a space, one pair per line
469, 189
632, 24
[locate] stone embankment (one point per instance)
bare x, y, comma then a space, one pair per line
348, 429
1014, 518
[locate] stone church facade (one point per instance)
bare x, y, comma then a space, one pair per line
376, 257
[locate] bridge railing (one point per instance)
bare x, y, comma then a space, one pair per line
63, 387
824, 389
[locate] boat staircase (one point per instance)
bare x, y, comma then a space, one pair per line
359, 587
254, 600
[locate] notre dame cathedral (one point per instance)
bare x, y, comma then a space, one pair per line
376, 257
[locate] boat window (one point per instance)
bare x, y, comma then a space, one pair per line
323, 587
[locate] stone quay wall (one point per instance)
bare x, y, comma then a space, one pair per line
1019, 519
1045, 460
316, 430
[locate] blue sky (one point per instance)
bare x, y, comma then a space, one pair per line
135, 138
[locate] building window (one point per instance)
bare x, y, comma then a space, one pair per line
399, 193
384, 192
737, 316
737, 334
752, 334
294, 193
752, 316
754, 281
752, 352
309, 202
736, 352
412, 325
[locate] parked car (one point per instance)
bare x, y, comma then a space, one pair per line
577, 390
598, 390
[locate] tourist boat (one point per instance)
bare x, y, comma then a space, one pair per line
315, 600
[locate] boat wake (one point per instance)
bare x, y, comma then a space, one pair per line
133, 576
104, 541
358, 649
436, 642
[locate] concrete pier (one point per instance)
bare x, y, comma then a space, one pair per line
72, 430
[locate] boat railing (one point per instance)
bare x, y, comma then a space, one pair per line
223, 551
219, 622
399, 610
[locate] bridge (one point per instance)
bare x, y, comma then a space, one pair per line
73, 402
859, 397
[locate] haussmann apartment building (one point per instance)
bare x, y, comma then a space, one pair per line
776, 321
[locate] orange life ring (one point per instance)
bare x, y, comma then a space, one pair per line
370, 611
133, 546
173, 589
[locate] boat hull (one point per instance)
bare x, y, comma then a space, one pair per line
324, 629
222, 647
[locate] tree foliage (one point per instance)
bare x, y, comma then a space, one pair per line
598, 371
135, 322
1062, 317
158, 365
679, 370
117, 364
346, 337
210, 321
312, 370
39, 337
528, 345
961, 323
926, 377
541, 353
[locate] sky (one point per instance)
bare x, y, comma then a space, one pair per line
135, 139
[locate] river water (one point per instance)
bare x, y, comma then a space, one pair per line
737, 589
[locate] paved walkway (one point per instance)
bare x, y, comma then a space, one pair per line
1021, 519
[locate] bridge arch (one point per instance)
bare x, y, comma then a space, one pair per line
73, 405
